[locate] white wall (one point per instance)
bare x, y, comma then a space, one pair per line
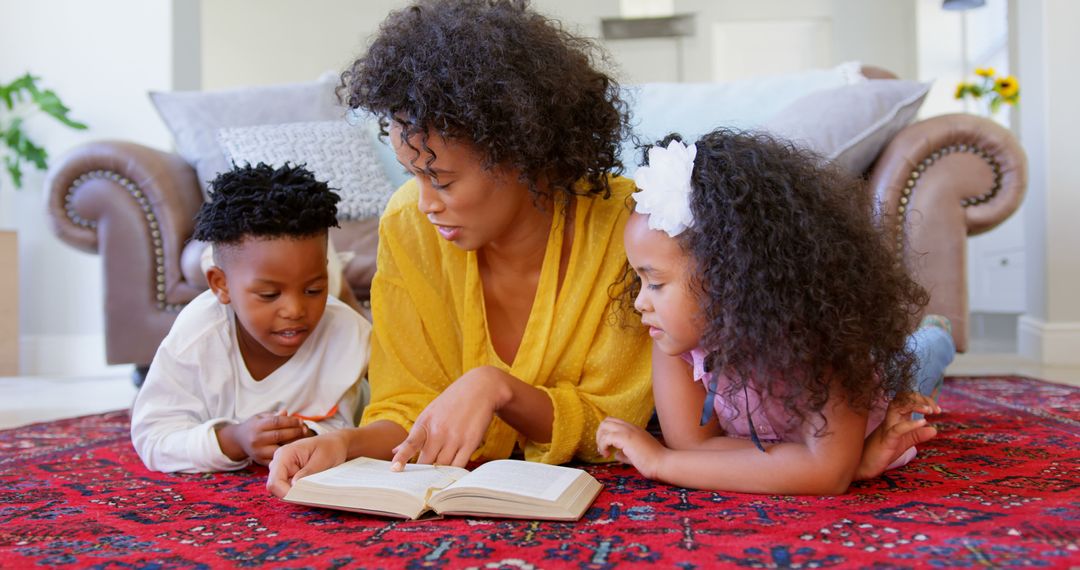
100, 57
1049, 120
951, 44
261, 42
258, 42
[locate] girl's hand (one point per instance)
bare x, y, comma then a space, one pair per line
631, 444
259, 436
453, 425
897, 432
305, 457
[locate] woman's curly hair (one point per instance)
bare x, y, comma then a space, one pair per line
799, 289
265, 202
511, 82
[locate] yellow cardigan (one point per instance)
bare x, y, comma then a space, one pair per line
430, 328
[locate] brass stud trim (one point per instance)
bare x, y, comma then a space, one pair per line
916, 173
151, 219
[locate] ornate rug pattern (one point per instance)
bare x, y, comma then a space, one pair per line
997, 488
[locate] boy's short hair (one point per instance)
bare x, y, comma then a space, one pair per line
265, 202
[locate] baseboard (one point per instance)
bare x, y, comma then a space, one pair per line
1051, 344
66, 355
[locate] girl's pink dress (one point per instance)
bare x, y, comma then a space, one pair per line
771, 421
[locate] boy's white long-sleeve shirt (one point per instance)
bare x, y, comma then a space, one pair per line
198, 380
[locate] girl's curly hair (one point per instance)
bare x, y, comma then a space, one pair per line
799, 290
511, 82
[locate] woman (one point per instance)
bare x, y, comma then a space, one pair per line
493, 327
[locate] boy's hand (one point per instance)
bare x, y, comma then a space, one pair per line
631, 444
259, 436
897, 432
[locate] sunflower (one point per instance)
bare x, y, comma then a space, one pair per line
985, 71
1008, 87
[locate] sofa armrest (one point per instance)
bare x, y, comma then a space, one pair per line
135, 206
937, 182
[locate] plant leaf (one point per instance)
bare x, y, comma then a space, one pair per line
12, 166
24, 148
13, 91
50, 103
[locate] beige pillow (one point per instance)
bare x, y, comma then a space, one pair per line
337, 152
850, 125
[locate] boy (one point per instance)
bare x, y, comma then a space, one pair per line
264, 357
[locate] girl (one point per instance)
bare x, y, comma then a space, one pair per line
779, 323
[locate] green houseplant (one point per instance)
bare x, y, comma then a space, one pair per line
22, 99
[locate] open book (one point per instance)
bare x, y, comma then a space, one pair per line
504, 488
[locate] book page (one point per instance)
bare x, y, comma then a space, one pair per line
524, 478
367, 473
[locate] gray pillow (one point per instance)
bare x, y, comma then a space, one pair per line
692, 109
194, 117
340, 154
850, 125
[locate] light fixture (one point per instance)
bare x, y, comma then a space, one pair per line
959, 5
679, 25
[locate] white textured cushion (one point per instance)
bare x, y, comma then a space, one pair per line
850, 125
693, 109
337, 153
194, 117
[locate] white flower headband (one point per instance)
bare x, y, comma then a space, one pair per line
665, 187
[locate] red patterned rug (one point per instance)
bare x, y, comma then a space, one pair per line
997, 488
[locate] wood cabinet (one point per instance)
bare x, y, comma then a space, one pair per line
9, 303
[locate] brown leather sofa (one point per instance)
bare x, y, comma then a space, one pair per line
939, 181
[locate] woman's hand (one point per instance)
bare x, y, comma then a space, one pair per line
259, 436
452, 426
631, 444
305, 457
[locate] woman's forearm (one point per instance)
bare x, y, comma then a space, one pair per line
525, 408
375, 440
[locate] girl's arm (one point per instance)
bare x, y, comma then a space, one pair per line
819, 465
677, 395
698, 457
679, 402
